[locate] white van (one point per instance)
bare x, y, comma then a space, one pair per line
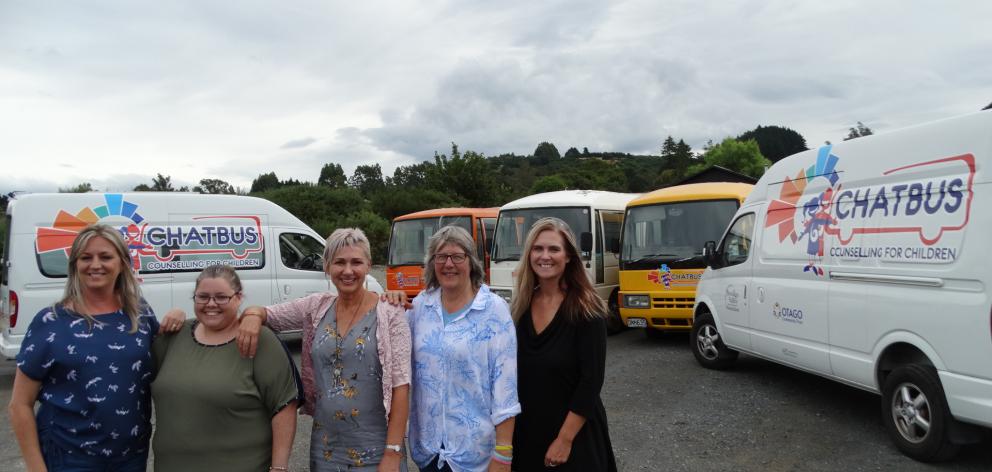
867, 262
596, 218
172, 237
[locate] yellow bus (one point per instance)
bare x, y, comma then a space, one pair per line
661, 257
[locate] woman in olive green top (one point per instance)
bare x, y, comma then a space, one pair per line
214, 409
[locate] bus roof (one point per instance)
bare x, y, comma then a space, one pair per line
568, 198
690, 192
477, 212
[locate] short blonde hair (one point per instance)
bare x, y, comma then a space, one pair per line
461, 238
346, 237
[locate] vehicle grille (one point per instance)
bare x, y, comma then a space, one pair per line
673, 303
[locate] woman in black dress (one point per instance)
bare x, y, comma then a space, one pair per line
561, 338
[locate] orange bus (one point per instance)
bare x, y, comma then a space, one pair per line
410, 234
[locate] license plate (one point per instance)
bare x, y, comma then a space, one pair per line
637, 323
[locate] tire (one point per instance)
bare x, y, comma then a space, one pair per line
916, 415
614, 324
707, 345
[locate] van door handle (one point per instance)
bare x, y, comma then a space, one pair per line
286, 289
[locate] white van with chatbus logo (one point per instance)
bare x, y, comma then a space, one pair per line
595, 217
171, 236
867, 262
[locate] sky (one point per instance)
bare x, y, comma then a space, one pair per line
114, 92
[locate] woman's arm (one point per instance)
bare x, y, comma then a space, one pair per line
504, 437
283, 432
561, 448
399, 412
21, 410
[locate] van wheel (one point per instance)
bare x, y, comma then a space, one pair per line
707, 345
915, 413
614, 324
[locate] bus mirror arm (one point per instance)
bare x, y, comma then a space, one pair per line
710, 256
585, 241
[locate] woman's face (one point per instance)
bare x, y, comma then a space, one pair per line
548, 256
348, 269
98, 265
452, 275
216, 304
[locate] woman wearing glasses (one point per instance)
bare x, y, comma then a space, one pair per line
465, 361
356, 362
215, 409
561, 329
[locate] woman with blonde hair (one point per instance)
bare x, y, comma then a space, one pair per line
356, 362
561, 336
86, 359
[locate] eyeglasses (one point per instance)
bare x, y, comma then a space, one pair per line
203, 298
440, 259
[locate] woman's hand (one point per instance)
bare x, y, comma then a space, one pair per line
249, 328
558, 452
398, 298
390, 461
173, 321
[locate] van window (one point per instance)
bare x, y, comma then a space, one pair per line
301, 252
612, 224
737, 244
513, 226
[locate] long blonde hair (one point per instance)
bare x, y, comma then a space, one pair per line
125, 287
581, 301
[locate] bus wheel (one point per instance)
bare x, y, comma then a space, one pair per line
614, 324
707, 344
916, 415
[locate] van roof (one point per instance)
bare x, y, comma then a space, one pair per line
42, 208
566, 198
690, 192
971, 132
478, 212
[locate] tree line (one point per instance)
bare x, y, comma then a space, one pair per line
370, 200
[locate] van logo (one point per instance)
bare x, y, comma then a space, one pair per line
665, 276
927, 201
792, 315
157, 248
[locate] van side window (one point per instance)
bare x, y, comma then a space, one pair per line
301, 252
612, 225
737, 244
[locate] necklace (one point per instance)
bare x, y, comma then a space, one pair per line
351, 320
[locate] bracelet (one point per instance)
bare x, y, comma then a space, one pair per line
502, 461
504, 457
280, 469
504, 447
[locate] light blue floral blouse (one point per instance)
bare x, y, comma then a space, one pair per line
464, 380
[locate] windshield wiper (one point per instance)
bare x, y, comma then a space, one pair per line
649, 257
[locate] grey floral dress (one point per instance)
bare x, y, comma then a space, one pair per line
349, 421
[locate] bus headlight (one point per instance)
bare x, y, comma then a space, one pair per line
636, 301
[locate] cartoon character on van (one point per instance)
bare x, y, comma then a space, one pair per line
815, 220
662, 276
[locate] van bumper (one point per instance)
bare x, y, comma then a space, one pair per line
969, 398
10, 345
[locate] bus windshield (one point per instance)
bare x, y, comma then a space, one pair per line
408, 239
673, 233
513, 225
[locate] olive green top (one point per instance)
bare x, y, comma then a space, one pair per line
213, 408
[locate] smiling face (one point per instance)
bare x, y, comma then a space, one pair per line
347, 269
212, 315
548, 256
98, 265
451, 275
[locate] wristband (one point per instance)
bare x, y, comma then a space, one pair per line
504, 447
279, 469
504, 457
502, 461
260, 316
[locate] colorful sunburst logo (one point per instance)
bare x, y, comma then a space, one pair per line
782, 211
63, 232
662, 276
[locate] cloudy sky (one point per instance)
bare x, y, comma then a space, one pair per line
113, 92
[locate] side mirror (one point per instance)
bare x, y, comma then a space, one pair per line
614, 245
710, 255
585, 242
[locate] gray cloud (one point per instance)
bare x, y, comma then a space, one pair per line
298, 143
